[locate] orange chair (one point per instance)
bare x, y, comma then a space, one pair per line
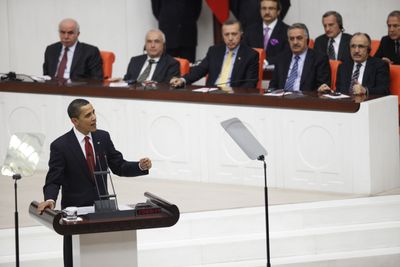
395, 81
108, 60
311, 43
374, 47
261, 58
334, 64
184, 65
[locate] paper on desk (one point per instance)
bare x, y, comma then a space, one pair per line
278, 93
90, 209
119, 84
335, 96
205, 89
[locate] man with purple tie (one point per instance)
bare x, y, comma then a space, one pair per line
271, 33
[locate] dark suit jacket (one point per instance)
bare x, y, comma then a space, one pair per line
386, 49
278, 40
316, 71
86, 63
321, 45
68, 169
248, 11
245, 67
177, 19
166, 68
376, 77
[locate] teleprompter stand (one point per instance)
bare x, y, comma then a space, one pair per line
255, 151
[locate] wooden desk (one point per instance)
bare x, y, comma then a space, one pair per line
312, 143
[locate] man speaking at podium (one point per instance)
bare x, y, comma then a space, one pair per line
73, 158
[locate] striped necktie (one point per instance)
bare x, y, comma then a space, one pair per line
331, 49
354, 77
293, 75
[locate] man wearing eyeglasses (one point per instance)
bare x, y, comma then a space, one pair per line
71, 59
389, 48
364, 74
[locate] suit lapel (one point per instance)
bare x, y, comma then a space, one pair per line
75, 58
56, 55
306, 67
285, 68
367, 72
236, 66
159, 66
139, 65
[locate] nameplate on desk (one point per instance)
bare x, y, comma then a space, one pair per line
205, 90
278, 93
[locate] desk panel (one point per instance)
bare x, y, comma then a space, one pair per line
336, 151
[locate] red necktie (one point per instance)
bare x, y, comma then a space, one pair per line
63, 64
89, 154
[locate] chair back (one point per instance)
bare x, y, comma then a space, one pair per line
334, 64
311, 43
374, 47
184, 65
261, 58
108, 61
395, 81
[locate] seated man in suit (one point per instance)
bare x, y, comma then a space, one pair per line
229, 65
271, 33
155, 65
334, 43
73, 159
389, 48
71, 59
364, 74
302, 69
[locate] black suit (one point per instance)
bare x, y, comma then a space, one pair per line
166, 68
278, 40
321, 45
316, 71
68, 169
376, 77
86, 62
387, 49
245, 67
177, 19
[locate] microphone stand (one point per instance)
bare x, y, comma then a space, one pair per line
262, 158
16, 177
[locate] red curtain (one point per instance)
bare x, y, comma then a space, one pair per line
220, 8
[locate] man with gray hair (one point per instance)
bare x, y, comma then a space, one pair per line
389, 48
335, 42
155, 65
303, 69
71, 59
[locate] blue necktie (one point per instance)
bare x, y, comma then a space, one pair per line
293, 75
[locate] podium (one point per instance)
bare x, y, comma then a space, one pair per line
109, 238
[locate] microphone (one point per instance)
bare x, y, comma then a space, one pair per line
11, 76
130, 82
106, 202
